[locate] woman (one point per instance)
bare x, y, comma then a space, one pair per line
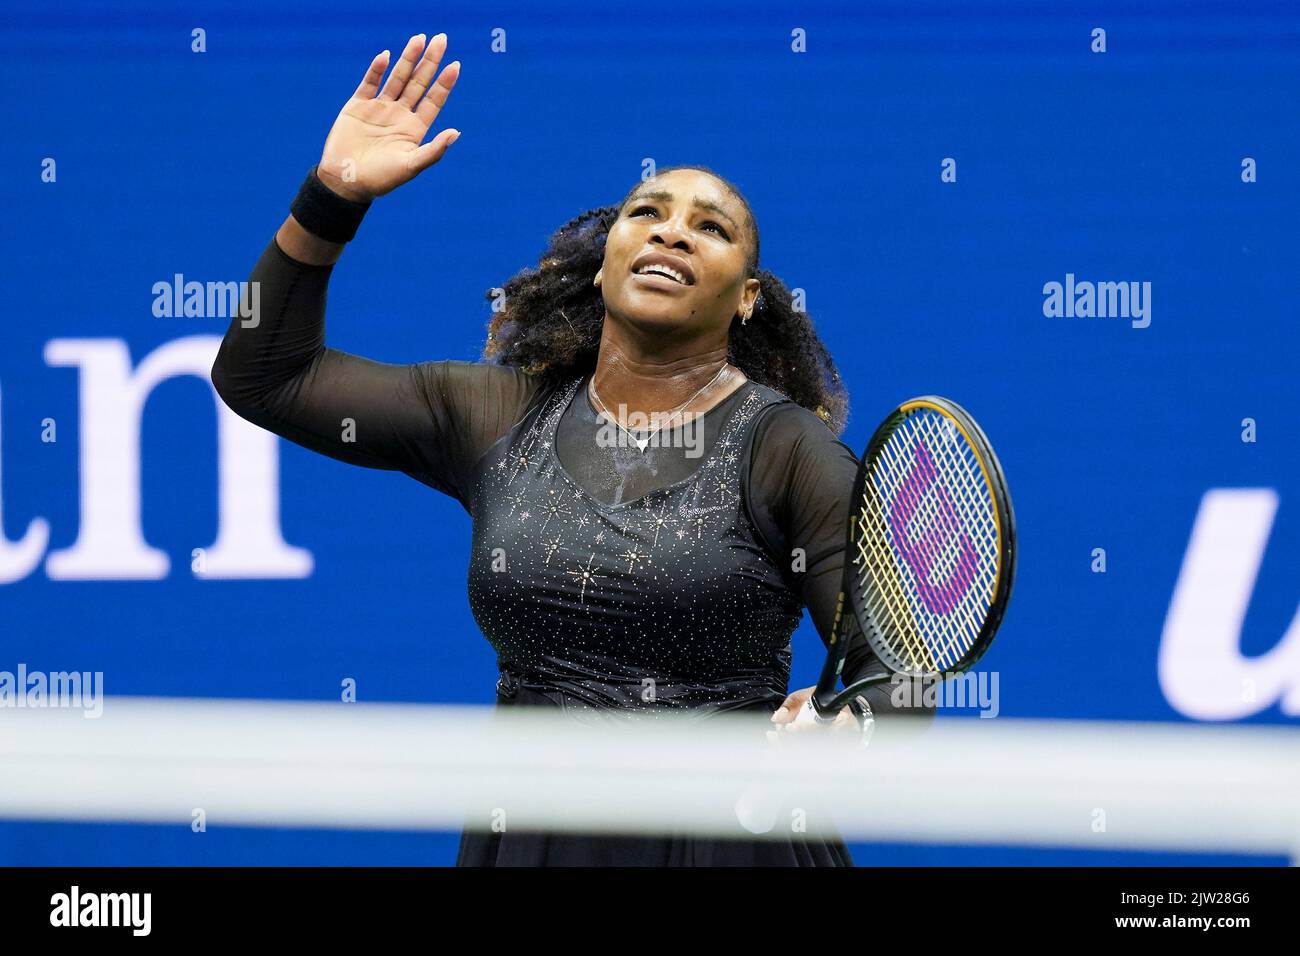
649, 568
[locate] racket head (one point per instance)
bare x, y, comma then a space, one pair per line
932, 540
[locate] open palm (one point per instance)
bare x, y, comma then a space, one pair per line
375, 143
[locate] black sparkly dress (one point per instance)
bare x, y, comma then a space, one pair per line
603, 575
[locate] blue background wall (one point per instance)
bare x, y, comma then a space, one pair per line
1117, 166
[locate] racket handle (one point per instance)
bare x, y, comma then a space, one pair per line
854, 690
808, 714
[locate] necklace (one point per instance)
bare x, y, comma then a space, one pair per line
642, 442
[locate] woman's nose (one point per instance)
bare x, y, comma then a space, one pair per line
672, 233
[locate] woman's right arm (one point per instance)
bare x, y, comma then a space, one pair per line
432, 419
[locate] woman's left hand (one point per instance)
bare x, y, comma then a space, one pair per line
846, 722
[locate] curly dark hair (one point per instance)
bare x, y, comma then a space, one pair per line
550, 323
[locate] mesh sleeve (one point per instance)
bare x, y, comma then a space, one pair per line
430, 420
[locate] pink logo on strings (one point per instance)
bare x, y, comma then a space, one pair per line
928, 533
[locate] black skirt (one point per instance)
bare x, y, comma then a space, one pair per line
478, 848
484, 847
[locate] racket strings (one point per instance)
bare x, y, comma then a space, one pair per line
952, 561
958, 524
883, 590
927, 543
893, 600
948, 529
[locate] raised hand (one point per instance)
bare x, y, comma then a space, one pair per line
375, 143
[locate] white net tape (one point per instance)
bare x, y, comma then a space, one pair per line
263, 763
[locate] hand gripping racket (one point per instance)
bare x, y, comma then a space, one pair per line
931, 551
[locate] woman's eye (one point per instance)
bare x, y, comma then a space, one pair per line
640, 209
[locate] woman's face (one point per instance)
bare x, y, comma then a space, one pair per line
687, 221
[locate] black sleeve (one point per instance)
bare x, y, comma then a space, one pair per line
431, 420
800, 481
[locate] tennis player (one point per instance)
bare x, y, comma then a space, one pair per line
647, 450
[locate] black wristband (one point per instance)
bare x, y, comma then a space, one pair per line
325, 213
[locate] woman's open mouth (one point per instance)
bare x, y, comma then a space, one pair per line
655, 280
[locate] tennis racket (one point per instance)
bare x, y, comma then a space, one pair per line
931, 552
